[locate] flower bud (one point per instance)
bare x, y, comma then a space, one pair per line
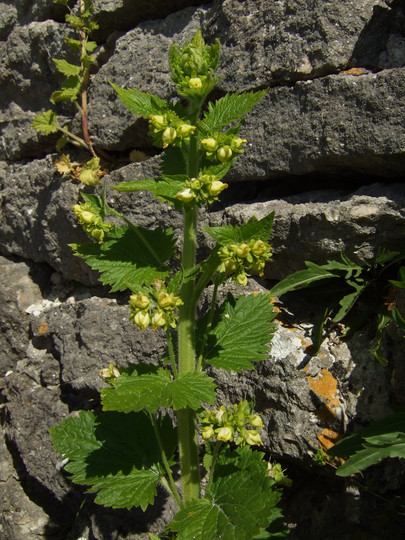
207, 432
110, 371
186, 195
242, 279
158, 121
142, 320
87, 217
224, 154
97, 234
242, 250
184, 130
139, 301
224, 433
195, 83
159, 319
165, 299
236, 143
255, 421
219, 414
168, 136
210, 145
253, 438
216, 187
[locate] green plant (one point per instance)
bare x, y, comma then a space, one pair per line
381, 439
123, 452
74, 90
339, 286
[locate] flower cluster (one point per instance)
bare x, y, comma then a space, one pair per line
156, 309
193, 66
222, 146
109, 373
202, 190
233, 424
168, 129
92, 222
237, 258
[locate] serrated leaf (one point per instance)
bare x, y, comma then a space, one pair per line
237, 506
226, 110
252, 229
91, 46
157, 388
141, 103
74, 44
45, 122
174, 161
115, 454
69, 92
66, 68
165, 188
242, 333
129, 257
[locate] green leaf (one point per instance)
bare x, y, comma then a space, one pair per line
165, 188
69, 92
400, 283
74, 44
349, 299
241, 333
62, 142
130, 257
229, 108
241, 502
301, 279
398, 318
141, 103
45, 122
252, 229
65, 68
91, 46
383, 438
115, 454
155, 387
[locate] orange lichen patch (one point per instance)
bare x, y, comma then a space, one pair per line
326, 414
329, 438
354, 71
43, 329
325, 387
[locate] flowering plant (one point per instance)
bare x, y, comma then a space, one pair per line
129, 448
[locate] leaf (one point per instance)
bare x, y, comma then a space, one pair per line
89, 174
45, 122
242, 333
241, 501
349, 300
62, 142
301, 279
400, 283
129, 257
69, 92
398, 318
165, 188
226, 110
383, 438
157, 388
63, 164
91, 46
252, 229
74, 44
115, 454
66, 68
141, 103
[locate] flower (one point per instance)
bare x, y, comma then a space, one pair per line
210, 144
159, 319
186, 195
139, 301
195, 83
224, 433
224, 154
216, 187
168, 136
207, 432
184, 130
142, 320
253, 438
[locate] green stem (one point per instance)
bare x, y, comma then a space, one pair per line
170, 485
209, 324
171, 352
186, 418
215, 454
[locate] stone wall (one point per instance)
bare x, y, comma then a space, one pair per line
326, 152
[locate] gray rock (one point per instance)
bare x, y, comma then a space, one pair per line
8, 18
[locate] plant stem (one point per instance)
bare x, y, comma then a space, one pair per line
209, 324
171, 352
170, 486
215, 454
186, 418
